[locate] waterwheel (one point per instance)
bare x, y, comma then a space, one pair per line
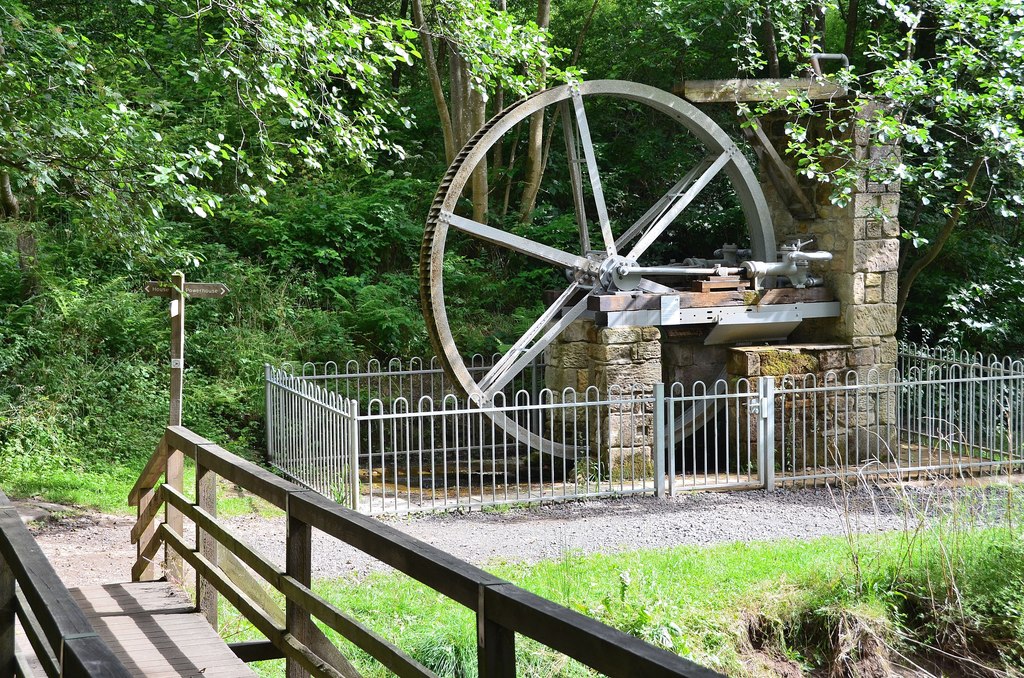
615, 262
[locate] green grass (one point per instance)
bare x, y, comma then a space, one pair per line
736, 607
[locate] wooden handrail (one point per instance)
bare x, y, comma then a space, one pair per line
61, 635
502, 608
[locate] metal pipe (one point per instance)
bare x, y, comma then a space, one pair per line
677, 270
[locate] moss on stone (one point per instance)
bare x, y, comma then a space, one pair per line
779, 363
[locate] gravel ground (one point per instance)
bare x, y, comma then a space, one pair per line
94, 548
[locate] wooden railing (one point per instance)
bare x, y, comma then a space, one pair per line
63, 640
224, 565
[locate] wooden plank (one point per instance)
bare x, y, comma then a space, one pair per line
791, 295
149, 509
206, 544
389, 655
151, 474
721, 284
779, 172
33, 631
169, 644
113, 600
606, 303
7, 607
756, 89
58, 616
439, 570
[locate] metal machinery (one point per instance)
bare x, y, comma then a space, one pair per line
611, 280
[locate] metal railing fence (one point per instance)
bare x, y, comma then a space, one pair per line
395, 440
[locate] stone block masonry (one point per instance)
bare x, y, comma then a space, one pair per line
614, 360
863, 236
818, 423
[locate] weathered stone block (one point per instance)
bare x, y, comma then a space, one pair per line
780, 362
574, 355
867, 205
647, 350
875, 256
872, 279
873, 295
861, 357
832, 359
644, 374
650, 333
888, 351
619, 335
609, 353
744, 363
873, 320
873, 228
576, 331
891, 227
890, 288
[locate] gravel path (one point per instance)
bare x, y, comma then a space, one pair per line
94, 548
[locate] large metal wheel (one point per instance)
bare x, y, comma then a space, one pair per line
592, 268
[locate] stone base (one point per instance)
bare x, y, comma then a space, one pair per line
606, 362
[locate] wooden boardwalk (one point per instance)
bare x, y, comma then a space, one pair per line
154, 629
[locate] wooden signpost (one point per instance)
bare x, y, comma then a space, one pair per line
177, 291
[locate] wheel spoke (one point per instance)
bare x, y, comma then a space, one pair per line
575, 178
522, 353
658, 208
595, 179
530, 248
655, 288
674, 202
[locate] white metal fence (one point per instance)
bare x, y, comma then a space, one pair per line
394, 439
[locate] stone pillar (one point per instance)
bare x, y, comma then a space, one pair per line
617, 362
863, 236
823, 429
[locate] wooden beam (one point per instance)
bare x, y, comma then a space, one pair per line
756, 89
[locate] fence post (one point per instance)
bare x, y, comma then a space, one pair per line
269, 407
175, 469
659, 439
766, 431
495, 645
7, 603
206, 497
353, 451
298, 564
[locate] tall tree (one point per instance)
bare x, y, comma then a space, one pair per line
114, 117
487, 50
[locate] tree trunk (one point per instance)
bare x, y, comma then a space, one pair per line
535, 139
396, 75
25, 238
478, 115
851, 28
929, 255
434, 76
771, 47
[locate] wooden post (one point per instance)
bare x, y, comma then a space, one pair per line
7, 603
206, 497
298, 564
175, 459
495, 645
174, 470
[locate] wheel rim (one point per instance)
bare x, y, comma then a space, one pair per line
722, 157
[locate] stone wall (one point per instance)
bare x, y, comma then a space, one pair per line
817, 429
863, 236
614, 360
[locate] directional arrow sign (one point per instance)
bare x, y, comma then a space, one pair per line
193, 289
